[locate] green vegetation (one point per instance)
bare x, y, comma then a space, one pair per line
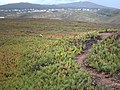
109, 12
44, 64
30, 61
105, 56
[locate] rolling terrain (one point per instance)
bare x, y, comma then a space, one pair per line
41, 54
76, 5
76, 15
78, 11
74, 46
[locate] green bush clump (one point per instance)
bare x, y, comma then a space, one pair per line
105, 56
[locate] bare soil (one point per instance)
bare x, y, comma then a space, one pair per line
99, 78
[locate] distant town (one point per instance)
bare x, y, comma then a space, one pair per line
22, 11
45, 10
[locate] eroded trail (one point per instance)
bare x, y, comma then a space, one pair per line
99, 78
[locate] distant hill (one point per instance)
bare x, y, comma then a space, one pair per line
110, 15
27, 6
101, 16
39, 6
81, 5
104, 15
85, 4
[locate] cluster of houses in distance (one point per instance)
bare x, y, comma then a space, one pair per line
45, 10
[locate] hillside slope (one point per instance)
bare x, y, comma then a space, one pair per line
84, 4
41, 6
78, 11
76, 15
26, 6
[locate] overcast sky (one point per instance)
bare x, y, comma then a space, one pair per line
110, 3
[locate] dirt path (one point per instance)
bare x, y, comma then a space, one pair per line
99, 78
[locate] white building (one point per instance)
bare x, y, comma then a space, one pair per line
2, 17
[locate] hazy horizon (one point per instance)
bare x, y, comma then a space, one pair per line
109, 3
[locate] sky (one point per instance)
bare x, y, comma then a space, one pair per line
110, 3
